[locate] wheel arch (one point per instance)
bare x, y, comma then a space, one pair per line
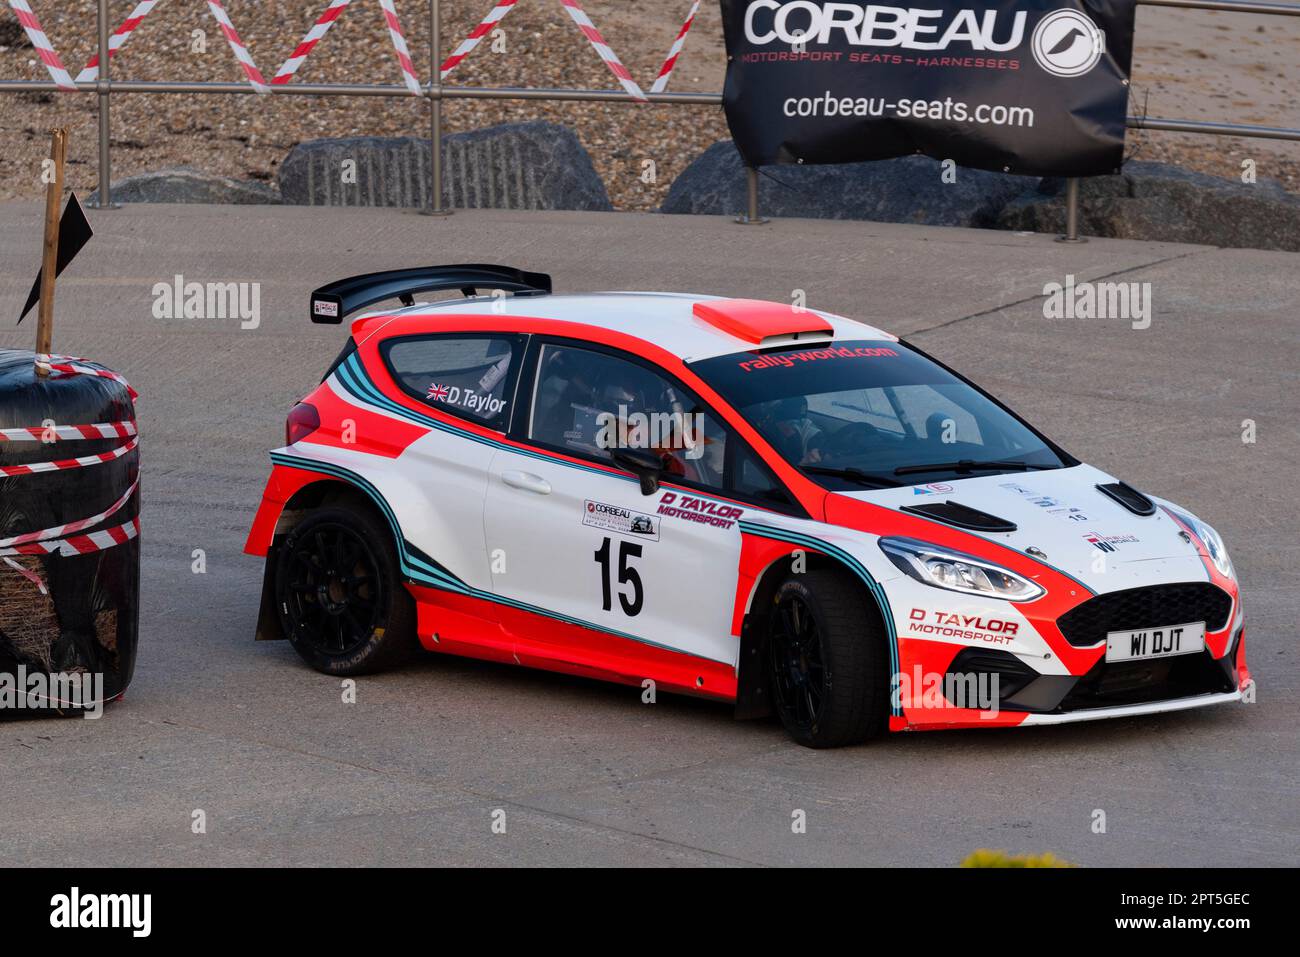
753, 695
318, 493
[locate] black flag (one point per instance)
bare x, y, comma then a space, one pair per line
74, 232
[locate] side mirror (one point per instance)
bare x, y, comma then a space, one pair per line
644, 464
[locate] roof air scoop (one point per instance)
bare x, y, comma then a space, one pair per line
763, 323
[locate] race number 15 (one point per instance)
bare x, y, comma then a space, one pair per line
627, 575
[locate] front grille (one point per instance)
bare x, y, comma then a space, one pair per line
1149, 607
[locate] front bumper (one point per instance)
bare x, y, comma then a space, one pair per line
1018, 684
1128, 711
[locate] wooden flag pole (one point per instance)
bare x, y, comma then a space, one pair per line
50, 254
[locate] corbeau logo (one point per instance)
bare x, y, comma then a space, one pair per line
1067, 43
872, 25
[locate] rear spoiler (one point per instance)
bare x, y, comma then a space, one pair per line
331, 303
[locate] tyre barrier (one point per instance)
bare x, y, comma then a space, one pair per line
69, 533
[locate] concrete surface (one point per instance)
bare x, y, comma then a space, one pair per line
586, 774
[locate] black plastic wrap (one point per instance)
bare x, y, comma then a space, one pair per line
89, 621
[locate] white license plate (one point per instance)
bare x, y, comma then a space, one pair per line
1164, 642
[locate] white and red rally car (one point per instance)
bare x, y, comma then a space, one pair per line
773, 506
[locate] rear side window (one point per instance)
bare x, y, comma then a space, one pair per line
468, 375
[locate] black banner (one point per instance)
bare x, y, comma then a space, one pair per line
1034, 87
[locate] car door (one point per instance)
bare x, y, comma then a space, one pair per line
572, 534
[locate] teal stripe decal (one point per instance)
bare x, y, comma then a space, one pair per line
816, 544
423, 573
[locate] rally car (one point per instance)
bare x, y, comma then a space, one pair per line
768, 505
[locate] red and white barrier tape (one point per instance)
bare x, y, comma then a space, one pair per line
80, 544
321, 27
44, 49
245, 59
72, 528
71, 365
399, 46
666, 71
64, 465
495, 16
70, 433
31, 576
579, 16
91, 72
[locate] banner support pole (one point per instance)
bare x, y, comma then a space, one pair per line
104, 200
435, 113
751, 216
1071, 213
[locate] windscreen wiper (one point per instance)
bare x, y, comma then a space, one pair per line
970, 465
853, 475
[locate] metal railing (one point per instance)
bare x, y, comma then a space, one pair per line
435, 91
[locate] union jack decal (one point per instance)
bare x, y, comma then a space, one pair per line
437, 393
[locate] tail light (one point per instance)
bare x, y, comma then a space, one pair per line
303, 420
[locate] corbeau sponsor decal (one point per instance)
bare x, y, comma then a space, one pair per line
616, 518
702, 510
786, 359
961, 627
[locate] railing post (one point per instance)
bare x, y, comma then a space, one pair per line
436, 207
105, 198
751, 216
1071, 213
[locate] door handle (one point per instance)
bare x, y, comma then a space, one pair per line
526, 481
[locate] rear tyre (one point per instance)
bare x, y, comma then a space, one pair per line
339, 594
828, 663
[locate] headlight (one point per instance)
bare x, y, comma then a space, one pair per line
957, 571
1214, 546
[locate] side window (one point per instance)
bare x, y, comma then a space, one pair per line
592, 403
751, 479
471, 376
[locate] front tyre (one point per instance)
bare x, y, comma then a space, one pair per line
827, 659
339, 594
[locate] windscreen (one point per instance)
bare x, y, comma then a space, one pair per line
873, 413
